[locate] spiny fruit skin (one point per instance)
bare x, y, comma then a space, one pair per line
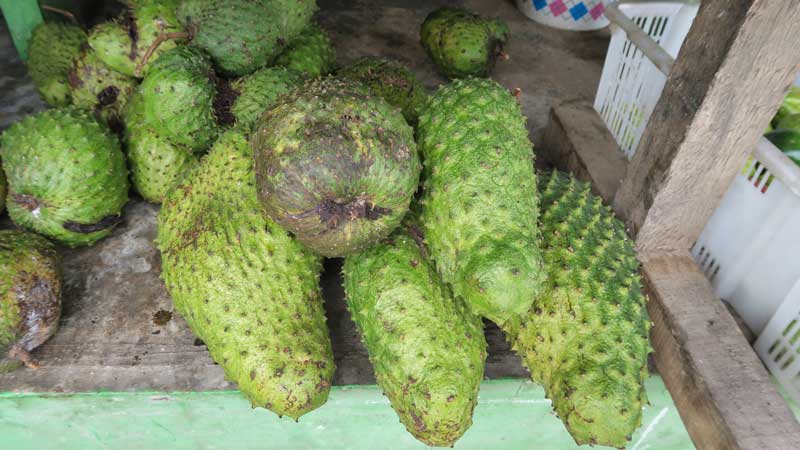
391, 80
480, 202
310, 53
155, 164
178, 94
66, 176
335, 165
30, 295
3, 189
461, 43
246, 288
586, 337
427, 349
96, 87
122, 44
259, 91
52, 50
244, 35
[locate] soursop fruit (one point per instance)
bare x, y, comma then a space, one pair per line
391, 80
480, 203
178, 96
335, 165
155, 164
96, 87
30, 296
246, 288
52, 50
244, 35
310, 53
3, 189
259, 91
66, 176
586, 337
427, 349
461, 43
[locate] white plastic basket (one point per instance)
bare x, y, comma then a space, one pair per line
779, 343
630, 84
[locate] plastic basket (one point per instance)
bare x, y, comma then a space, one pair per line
576, 15
630, 84
779, 344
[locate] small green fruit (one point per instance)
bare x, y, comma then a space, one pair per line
310, 53
259, 91
52, 51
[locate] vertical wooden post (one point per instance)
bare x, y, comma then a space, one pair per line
21, 17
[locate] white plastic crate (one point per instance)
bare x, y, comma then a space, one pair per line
779, 343
630, 84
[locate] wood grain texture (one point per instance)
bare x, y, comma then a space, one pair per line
735, 66
723, 392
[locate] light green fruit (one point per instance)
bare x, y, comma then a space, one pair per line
461, 43
310, 53
427, 349
335, 165
155, 164
52, 51
3, 188
586, 337
480, 203
245, 287
244, 35
259, 91
96, 87
30, 295
391, 80
178, 96
66, 176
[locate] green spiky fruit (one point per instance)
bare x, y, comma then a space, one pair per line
427, 349
96, 87
3, 188
480, 202
586, 337
391, 80
245, 287
30, 295
258, 92
155, 164
178, 97
335, 165
52, 51
461, 43
310, 53
244, 35
122, 44
66, 176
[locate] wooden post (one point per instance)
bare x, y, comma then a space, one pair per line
735, 66
21, 17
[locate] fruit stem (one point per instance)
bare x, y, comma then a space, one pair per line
63, 12
161, 38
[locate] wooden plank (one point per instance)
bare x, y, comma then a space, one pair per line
21, 17
735, 65
722, 390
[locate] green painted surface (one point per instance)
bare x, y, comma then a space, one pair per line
21, 16
511, 414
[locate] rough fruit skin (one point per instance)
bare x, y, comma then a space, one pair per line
178, 96
391, 80
461, 43
335, 165
480, 202
259, 91
427, 349
66, 176
155, 164
244, 35
96, 87
310, 53
3, 189
245, 287
586, 337
30, 295
52, 50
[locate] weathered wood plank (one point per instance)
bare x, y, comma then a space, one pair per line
735, 65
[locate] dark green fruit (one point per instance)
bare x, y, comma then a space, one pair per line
335, 165
96, 87
259, 91
30, 296
52, 51
246, 288
3, 189
66, 176
310, 53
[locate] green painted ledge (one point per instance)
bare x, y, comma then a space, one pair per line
511, 414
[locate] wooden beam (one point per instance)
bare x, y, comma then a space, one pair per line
735, 66
722, 391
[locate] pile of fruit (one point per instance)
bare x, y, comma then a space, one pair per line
224, 110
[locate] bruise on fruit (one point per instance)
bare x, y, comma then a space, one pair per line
108, 96
26, 201
86, 228
129, 22
39, 307
333, 213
